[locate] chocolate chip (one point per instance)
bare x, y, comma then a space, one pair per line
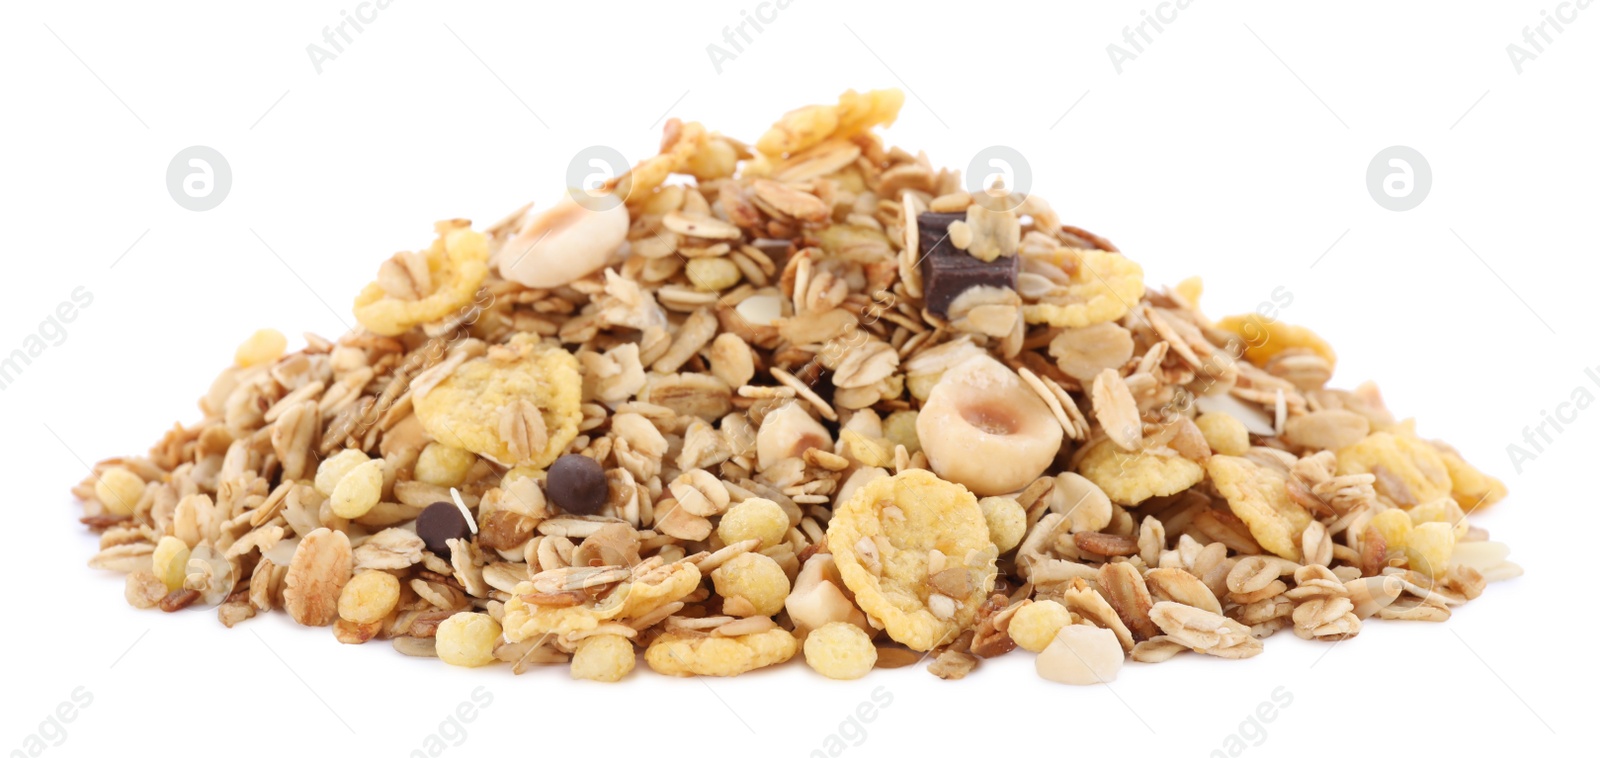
948, 271
440, 523
577, 484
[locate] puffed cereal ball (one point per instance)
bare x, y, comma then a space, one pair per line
467, 639
1008, 522
443, 465
119, 490
756, 580
1034, 625
1395, 526
369, 596
1428, 548
170, 562
603, 658
265, 346
755, 518
840, 650
333, 469
1225, 434
358, 491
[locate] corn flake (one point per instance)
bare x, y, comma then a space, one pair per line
1132, 478
458, 261
523, 620
465, 409
1102, 287
1260, 498
855, 113
694, 654
1264, 338
1409, 471
882, 539
1471, 488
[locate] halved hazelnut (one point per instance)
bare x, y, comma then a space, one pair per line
981, 427
562, 245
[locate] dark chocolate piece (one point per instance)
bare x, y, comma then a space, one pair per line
577, 484
948, 271
439, 523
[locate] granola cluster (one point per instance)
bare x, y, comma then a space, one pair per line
803, 395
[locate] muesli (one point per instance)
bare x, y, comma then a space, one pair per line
807, 394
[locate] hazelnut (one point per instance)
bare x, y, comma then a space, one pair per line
1081, 654
981, 427
562, 245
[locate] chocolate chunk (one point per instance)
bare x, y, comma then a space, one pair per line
440, 523
577, 484
948, 271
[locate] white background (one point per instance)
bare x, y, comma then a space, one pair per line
1235, 146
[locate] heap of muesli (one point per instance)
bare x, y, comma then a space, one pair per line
811, 394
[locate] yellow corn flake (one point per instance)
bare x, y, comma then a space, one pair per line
1189, 290
1103, 287
697, 654
458, 261
1428, 548
1472, 489
1132, 478
883, 539
466, 409
665, 584
679, 146
1444, 510
1409, 471
856, 112
1263, 338
1260, 498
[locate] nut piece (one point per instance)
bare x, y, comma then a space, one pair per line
1035, 624
983, 428
562, 245
1081, 654
787, 433
467, 639
317, 575
603, 658
886, 540
817, 599
840, 651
